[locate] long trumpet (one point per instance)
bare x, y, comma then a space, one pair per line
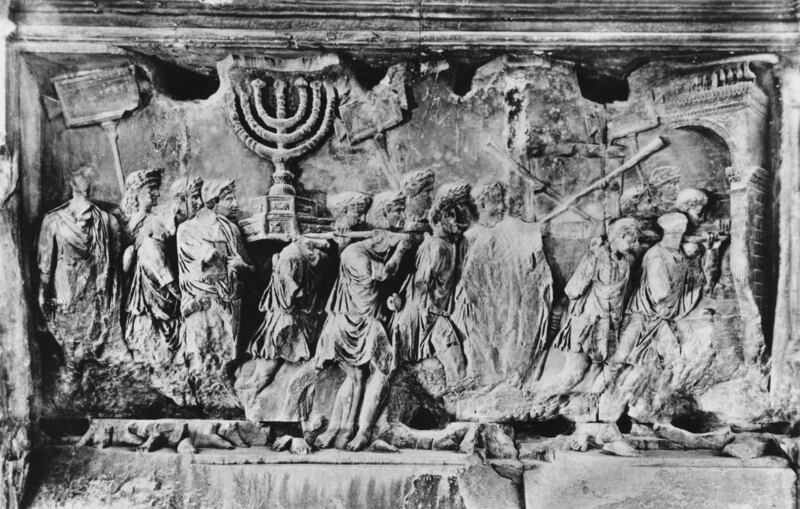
651, 148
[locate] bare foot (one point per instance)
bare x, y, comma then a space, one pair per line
325, 440
358, 443
578, 442
299, 446
621, 448
343, 438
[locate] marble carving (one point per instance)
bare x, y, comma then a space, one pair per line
449, 289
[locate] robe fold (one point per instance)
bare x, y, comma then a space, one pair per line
294, 307
355, 329
668, 290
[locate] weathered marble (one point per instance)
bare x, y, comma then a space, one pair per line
660, 479
364, 299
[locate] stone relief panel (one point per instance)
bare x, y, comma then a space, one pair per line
385, 263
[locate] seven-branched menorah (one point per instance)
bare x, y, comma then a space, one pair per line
277, 137
282, 139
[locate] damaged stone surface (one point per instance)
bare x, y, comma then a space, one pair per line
663, 479
259, 478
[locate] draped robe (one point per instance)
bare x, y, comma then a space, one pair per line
597, 292
424, 326
210, 302
668, 290
355, 329
78, 257
153, 311
294, 307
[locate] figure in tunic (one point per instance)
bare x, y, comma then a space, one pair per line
505, 292
355, 331
294, 303
423, 328
489, 200
211, 260
597, 292
153, 301
668, 290
79, 251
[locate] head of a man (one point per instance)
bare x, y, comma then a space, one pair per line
81, 181
490, 200
219, 195
142, 190
623, 235
349, 209
388, 211
452, 211
692, 202
673, 225
185, 198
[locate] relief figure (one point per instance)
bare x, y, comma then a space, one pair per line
294, 305
668, 290
79, 282
355, 331
152, 299
670, 287
597, 291
503, 299
211, 259
489, 200
424, 328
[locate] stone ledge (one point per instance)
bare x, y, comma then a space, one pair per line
663, 479
260, 477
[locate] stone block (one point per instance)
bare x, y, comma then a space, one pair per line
261, 478
662, 479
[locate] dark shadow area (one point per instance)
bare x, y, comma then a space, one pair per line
367, 74
601, 88
558, 425
422, 418
180, 83
460, 77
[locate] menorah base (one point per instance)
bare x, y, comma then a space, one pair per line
282, 218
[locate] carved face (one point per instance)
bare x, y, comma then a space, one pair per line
81, 186
195, 203
396, 217
492, 207
695, 213
148, 198
353, 215
454, 220
179, 207
625, 243
228, 206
